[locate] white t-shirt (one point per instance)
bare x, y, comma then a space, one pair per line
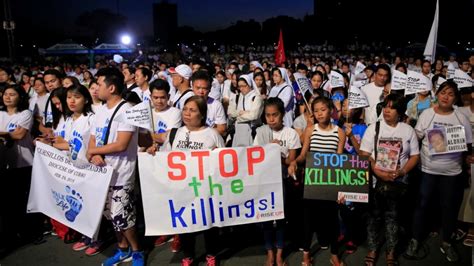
373, 97
180, 104
21, 154
38, 104
144, 95
96, 107
289, 140
216, 90
60, 130
206, 139
77, 133
402, 132
300, 122
215, 113
466, 110
122, 162
442, 164
167, 119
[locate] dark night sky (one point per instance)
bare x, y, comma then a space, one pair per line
203, 15
48, 21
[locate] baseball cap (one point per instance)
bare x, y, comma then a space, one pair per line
182, 70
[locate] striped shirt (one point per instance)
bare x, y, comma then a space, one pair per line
324, 141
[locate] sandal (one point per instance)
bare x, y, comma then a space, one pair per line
332, 263
469, 240
370, 261
392, 262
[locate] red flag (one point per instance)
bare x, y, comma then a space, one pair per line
280, 51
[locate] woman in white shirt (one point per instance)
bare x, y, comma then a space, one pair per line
15, 125
194, 135
441, 173
391, 182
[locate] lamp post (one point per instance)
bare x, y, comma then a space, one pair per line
9, 26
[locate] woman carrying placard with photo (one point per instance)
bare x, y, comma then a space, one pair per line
441, 171
392, 147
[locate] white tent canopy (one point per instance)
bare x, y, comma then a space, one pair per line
67, 47
112, 48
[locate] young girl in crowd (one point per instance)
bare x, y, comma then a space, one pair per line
261, 86
320, 215
60, 112
94, 92
287, 138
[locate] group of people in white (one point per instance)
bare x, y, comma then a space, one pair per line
240, 104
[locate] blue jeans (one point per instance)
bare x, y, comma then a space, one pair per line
446, 189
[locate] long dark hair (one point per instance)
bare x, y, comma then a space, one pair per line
60, 93
263, 90
23, 101
82, 90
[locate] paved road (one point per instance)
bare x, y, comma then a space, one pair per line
238, 250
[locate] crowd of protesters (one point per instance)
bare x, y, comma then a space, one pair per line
215, 102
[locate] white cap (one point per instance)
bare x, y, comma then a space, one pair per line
118, 58
182, 70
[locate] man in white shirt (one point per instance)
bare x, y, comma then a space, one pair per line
115, 144
215, 111
374, 90
180, 76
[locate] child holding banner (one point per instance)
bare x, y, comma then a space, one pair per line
391, 185
328, 138
441, 173
76, 137
195, 135
115, 144
287, 138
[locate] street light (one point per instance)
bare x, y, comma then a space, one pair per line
126, 39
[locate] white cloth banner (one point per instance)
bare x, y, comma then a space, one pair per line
357, 98
462, 79
71, 194
336, 79
139, 115
399, 80
303, 83
189, 191
417, 82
